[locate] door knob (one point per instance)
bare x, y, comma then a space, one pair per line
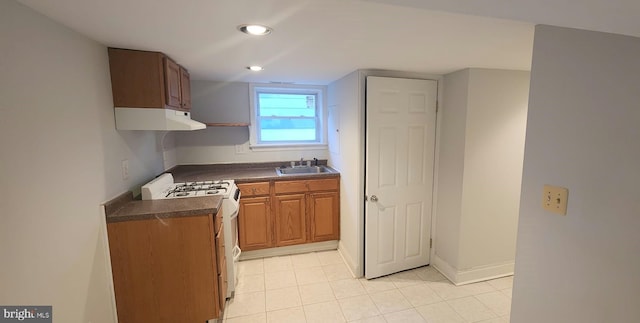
373, 198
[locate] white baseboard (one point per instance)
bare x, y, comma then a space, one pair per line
289, 250
472, 275
353, 266
444, 268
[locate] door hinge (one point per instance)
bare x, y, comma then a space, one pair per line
437, 106
430, 243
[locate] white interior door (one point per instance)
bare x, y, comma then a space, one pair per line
400, 144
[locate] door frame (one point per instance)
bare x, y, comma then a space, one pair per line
361, 185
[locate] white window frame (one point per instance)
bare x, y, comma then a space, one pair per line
318, 90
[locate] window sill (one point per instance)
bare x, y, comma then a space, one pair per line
283, 147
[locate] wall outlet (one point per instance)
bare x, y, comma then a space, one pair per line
554, 199
242, 148
125, 169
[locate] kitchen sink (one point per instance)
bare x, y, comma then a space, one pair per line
303, 170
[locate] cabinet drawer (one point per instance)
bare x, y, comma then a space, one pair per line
330, 184
290, 187
254, 189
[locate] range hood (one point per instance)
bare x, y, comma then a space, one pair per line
155, 119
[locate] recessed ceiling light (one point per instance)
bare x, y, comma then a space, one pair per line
255, 68
257, 30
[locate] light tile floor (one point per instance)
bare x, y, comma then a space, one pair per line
318, 287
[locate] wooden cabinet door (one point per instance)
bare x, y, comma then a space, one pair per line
137, 78
172, 83
254, 223
324, 209
185, 90
164, 270
290, 219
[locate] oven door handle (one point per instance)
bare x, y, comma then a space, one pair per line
233, 214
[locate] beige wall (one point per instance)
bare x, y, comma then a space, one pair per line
222, 102
60, 160
347, 156
451, 167
482, 147
582, 134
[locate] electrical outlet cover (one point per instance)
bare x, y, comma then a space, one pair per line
125, 169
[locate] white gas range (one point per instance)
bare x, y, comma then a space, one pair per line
163, 187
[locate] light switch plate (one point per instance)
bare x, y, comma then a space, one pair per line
554, 199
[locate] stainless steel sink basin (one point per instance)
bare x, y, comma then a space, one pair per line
303, 170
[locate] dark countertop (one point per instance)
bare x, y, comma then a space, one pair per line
126, 208
160, 209
241, 173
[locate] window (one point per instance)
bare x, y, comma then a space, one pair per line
284, 116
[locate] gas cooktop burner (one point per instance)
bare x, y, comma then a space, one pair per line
204, 187
188, 187
163, 187
216, 183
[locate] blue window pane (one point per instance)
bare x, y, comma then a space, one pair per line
285, 116
287, 123
289, 135
287, 129
286, 105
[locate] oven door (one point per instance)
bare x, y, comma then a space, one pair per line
230, 208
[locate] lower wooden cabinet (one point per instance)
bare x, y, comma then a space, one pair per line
255, 223
324, 213
165, 270
290, 219
288, 212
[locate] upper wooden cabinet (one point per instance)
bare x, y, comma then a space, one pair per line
141, 79
172, 83
185, 89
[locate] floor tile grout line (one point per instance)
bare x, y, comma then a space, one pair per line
502, 292
473, 296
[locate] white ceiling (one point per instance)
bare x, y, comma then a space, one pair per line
318, 41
